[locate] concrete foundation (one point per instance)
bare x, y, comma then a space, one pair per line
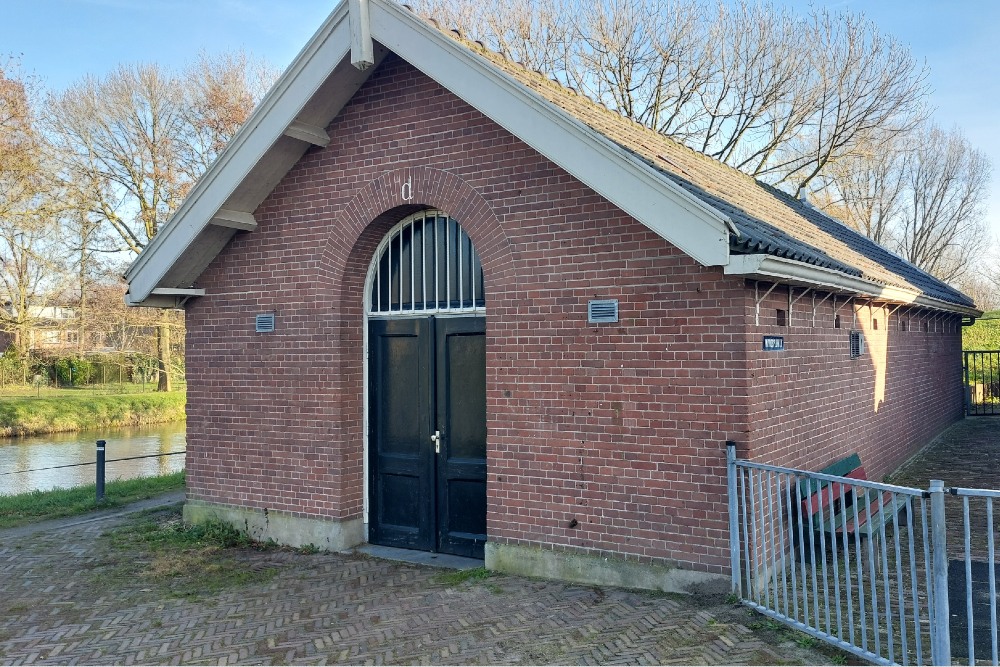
600, 570
281, 527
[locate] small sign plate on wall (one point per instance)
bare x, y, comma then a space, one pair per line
774, 343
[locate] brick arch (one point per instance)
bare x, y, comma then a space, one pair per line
380, 204
359, 228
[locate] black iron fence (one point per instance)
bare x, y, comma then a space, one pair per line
982, 382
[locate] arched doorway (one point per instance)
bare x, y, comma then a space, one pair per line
425, 308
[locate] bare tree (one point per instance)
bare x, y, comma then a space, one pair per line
866, 190
134, 142
867, 86
537, 35
947, 181
28, 265
778, 95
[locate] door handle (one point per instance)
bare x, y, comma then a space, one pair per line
436, 439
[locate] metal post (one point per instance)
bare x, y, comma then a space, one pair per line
734, 530
100, 470
940, 615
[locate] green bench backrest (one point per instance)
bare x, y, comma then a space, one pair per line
844, 466
840, 468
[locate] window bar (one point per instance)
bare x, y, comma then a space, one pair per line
423, 259
968, 580
389, 266
887, 610
473, 274
447, 262
437, 270
378, 285
847, 560
460, 241
399, 270
413, 294
993, 576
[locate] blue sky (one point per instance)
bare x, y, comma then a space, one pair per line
62, 40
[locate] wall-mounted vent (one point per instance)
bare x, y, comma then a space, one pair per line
602, 310
857, 344
265, 322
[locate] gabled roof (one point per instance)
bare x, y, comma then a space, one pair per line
712, 212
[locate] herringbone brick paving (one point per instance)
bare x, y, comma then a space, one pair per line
58, 608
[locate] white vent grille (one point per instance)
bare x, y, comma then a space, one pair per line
265, 322
857, 344
602, 310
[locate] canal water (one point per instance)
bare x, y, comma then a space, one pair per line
18, 456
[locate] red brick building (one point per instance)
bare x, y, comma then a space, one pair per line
436, 301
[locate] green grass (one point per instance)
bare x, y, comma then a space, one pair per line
984, 334
168, 557
36, 506
461, 576
76, 410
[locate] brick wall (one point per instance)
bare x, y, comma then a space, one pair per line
620, 427
813, 404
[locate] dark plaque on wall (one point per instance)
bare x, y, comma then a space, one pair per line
774, 343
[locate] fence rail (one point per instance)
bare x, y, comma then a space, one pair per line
874, 569
100, 463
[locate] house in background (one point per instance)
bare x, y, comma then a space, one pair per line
436, 301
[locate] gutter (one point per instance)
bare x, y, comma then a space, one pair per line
778, 269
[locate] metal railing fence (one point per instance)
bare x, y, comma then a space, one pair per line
892, 574
981, 369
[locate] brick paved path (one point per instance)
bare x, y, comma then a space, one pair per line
55, 608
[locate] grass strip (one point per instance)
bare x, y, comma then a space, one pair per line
166, 557
984, 334
35, 506
82, 412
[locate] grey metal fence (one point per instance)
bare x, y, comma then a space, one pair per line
866, 566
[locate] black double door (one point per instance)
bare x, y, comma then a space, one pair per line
427, 436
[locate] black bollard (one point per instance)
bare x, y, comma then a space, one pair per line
100, 470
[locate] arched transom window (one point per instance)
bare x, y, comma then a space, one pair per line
426, 264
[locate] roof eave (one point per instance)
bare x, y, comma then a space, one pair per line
781, 270
266, 125
620, 176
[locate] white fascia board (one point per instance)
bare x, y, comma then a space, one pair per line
234, 220
312, 134
781, 270
165, 297
276, 112
362, 49
621, 177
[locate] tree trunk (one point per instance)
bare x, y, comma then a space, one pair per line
163, 356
